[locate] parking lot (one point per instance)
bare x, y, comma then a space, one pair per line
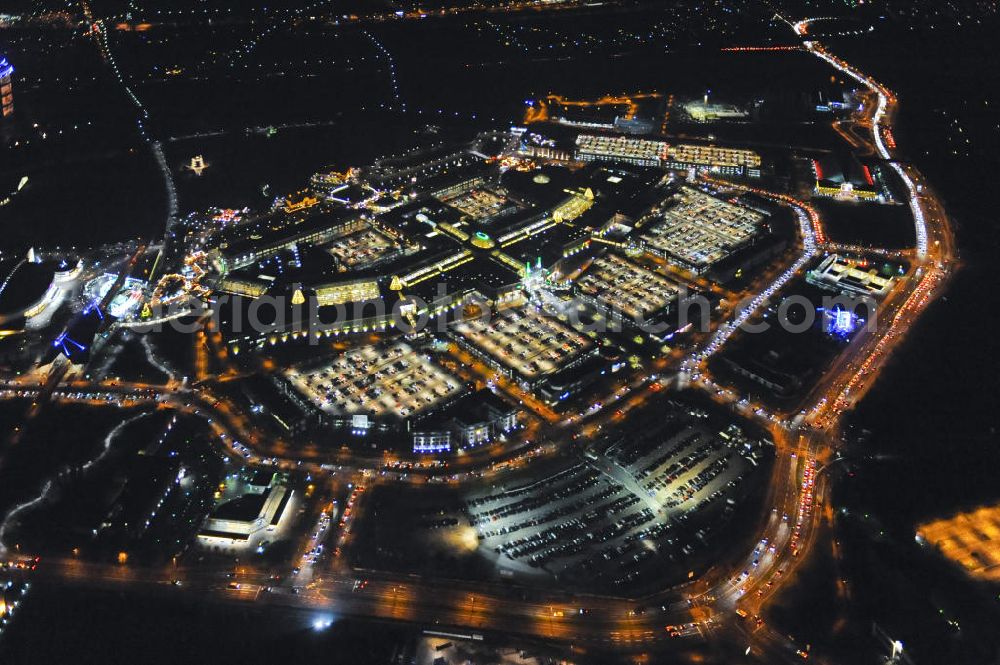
479, 204
618, 283
693, 466
362, 249
525, 341
701, 230
612, 518
393, 380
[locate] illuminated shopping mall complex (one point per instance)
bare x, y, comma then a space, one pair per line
593, 366
537, 271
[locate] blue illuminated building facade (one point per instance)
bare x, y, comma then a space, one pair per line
841, 322
6, 88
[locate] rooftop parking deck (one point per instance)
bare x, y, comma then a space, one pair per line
481, 204
525, 341
701, 230
362, 250
395, 381
619, 283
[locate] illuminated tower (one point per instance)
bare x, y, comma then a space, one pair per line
6, 88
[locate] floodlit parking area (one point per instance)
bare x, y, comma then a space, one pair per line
479, 204
394, 380
361, 249
617, 282
525, 341
701, 230
693, 466
629, 514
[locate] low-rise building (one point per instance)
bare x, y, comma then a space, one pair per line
844, 179
256, 505
850, 276
681, 156
473, 420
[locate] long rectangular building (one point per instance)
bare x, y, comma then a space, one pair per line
254, 244
682, 156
